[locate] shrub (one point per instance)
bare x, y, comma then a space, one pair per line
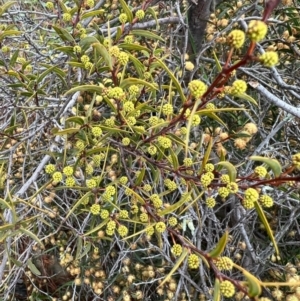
129, 172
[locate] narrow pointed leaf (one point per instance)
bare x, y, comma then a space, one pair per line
6, 6
254, 285
230, 168
264, 220
127, 10
272, 163
247, 97
176, 266
218, 250
217, 293
104, 53
33, 268
136, 81
147, 34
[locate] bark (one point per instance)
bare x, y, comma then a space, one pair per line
198, 16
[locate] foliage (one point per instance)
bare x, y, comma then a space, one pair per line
129, 171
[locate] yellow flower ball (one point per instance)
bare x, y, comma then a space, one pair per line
227, 289
269, 59
236, 38
257, 30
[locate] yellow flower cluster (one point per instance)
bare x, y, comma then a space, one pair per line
176, 249
164, 142
50, 168
227, 289
131, 120
125, 141
90, 3
68, 171
239, 86
70, 181
296, 160
152, 150
95, 209
116, 93
128, 106
195, 120
147, 187
122, 230
188, 162
49, 5
123, 214
67, 17
197, 88
89, 169
97, 159
123, 18
123, 180
269, 59
233, 187
224, 263
133, 90
257, 30
266, 201
91, 183
144, 217
160, 227
77, 49
193, 261
223, 192
123, 58
140, 14
167, 109
171, 185
209, 167
236, 38
205, 179
251, 194
225, 179
260, 171
57, 176
80, 145
84, 59
96, 131
110, 228
210, 202
114, 50
104, 214
157, 202
129, 39
173, 221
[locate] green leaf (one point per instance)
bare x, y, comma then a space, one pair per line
6, 6
218, 250
264, 220
175, 206
33, 268
8, 33
272, 163
135, 47
85, 88
139, 67
127, 10
97, 228
78, 203
247, 97
63, 6
254, 285
182, 257
230, 168
92, 13
75, 119
218, 64
206, 155
136, 81
63, 34
31, 234
217, 293
104, 53
152, 12
140, 177
147, 34
173, 78
87, 42
67, 131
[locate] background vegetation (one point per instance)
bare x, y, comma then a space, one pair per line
135, 165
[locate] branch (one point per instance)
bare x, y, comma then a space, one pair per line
274, 99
